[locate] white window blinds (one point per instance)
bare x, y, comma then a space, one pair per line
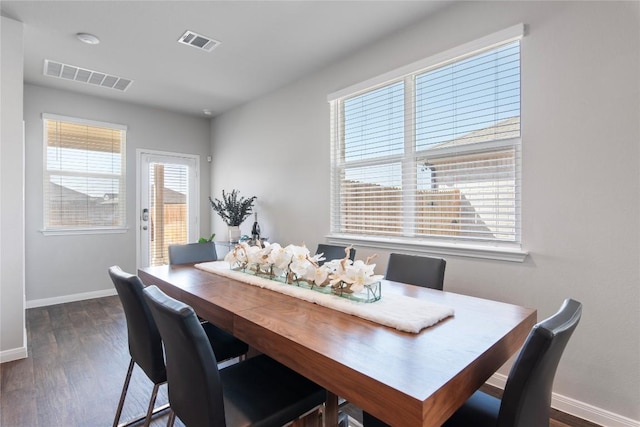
84, 174
433, 154
168, 197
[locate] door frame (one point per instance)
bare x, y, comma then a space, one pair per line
194, 201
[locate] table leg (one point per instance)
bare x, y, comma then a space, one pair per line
331, 410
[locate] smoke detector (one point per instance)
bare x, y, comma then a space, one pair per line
83, 75
198, 41
87, 38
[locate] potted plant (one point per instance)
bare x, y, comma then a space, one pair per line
233, 210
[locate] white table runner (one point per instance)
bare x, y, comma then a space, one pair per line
397, 311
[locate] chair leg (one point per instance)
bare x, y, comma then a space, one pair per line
343, 419
144, 416
152, 403
125, 387
150, 411
172, 419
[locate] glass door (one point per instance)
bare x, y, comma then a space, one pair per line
168, 205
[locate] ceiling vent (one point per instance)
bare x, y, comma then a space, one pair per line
198, 41
96, 78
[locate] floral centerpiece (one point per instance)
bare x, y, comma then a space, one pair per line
233, 211
296, 266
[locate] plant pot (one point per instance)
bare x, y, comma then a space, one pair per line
234, 233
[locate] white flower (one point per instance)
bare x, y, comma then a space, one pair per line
357, 274
231, 258
265, 253
318, 275
254, 255
299, 267
238, 255
298, 253
279, 258
318, 257
294, 259
361, 275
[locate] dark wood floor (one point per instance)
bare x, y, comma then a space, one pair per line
78, 357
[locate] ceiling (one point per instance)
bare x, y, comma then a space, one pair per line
264, 44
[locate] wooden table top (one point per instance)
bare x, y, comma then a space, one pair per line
402, 378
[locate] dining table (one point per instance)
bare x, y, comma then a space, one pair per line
403, 378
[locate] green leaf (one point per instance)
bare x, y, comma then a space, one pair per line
205, 240
232, 210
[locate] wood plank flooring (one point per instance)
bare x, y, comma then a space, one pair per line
78, 358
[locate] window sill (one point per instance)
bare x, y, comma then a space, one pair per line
79, 231
423, 247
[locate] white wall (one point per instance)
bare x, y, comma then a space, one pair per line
66, 267
12, 276
580, 177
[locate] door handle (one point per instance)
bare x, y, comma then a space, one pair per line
145, 217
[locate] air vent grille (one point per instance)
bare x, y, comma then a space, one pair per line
198, 41
71, 72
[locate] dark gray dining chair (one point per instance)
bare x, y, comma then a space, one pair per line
526, 400
192, 253
332, 252
145, 345
255, 392
427, 272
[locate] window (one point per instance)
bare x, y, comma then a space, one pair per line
84, 175
432, 156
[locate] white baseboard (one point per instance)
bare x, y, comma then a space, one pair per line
576, 408
15, 353
70, 298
